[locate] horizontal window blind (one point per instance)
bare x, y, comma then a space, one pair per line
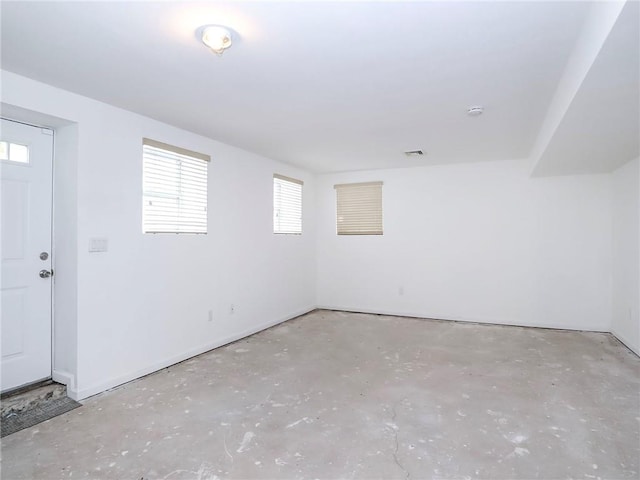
359, 208
174, 189
287, 205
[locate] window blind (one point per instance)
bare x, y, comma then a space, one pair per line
287, 205
359, 208
174, 185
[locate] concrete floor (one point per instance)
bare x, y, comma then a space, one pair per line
337, 395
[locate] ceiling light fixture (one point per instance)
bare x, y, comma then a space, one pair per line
217, 38
475, 111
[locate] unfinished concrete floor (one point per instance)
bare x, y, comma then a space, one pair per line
338, 395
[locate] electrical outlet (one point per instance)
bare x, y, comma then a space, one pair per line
401, 291
232, 309
210, 315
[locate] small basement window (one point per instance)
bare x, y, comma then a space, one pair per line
174, 189
287, 205
359, 208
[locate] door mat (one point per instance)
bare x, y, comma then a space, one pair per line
14, 422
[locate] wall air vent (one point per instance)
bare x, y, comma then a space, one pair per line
414, 153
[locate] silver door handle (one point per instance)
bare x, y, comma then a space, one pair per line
45, 273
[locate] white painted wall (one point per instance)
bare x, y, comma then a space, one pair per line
478, 242
65, 255
625, 322
144, 304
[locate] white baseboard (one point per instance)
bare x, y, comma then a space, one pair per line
67, 379
454, 318
625, 340
114, 382
79, 394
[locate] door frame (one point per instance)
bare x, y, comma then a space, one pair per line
64, 244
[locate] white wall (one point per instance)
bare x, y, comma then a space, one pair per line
626, 254
144, 304
478, 242
65, 255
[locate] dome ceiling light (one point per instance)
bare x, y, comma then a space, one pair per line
217, 38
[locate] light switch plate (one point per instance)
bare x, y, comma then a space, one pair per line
98, 244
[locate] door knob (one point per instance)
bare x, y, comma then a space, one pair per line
45, 273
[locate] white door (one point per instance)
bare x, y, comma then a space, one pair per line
26, 157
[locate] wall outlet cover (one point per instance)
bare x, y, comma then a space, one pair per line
98, 244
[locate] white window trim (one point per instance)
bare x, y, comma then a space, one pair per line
176, 180
292, 224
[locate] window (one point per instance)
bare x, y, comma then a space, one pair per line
14, 152
287, 205
359, 208
174, 189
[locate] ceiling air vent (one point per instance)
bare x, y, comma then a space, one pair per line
414, 153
